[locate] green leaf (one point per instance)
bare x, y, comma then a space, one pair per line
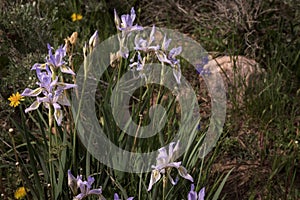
218, 192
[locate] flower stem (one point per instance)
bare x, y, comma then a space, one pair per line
85, 65
164, 186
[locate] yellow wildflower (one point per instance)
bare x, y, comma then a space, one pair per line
20, 193
76, 17
15, 99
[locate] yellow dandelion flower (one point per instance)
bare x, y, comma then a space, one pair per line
15, 99
20, 193
76, 17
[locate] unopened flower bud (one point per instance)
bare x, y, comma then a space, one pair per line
94, 40
85, 50
117, 19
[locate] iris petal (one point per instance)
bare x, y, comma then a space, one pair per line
183, 173
66, 70
32, 93
155, 176
33, 106
58, 115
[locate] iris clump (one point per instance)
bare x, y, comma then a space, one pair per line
144, 47
51, 92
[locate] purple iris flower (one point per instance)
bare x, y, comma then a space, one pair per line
53, 92
170, 58
140, 63
57, 60
72, 182
164, 164
46, 84
145, 45
194, 196
116, 197
165, 44
126, 23
85, 187
45, 78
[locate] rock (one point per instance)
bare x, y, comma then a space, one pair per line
238, 73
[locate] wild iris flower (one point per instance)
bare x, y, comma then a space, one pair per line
126, 26
72, 182
144, 45
53, 92
140, 63
194, 196
165, 44
83, 186
164, 163
57, 60
170, 58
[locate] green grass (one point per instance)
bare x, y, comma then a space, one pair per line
260, 141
